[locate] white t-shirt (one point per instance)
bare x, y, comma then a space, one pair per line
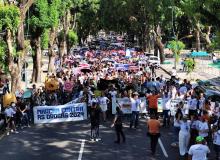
184, 126
216, 138
166, 103
195, 124
135, 104
103, 100
203, 126
199, 152
9, 112
193, 104
173, 72
113, 93
183, 90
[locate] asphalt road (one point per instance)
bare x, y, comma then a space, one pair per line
62, 141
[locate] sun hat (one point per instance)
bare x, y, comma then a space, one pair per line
135, 93
199, 139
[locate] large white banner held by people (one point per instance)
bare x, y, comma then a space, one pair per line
60, 113
125, 105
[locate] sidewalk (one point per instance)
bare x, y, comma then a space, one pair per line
203, 71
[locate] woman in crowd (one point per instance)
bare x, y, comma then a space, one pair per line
118, 123
103, 102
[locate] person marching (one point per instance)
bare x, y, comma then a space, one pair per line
117, 122
216, 141
103, 101
95, 120
153, 102
153, 126
135, 108
184, 136
198, 151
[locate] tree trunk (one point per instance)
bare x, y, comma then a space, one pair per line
207, 38
159, 43
63, 43
14, 67
197, 36
52, 54
160, 48
36, 75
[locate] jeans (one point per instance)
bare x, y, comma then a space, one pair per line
153, 142
134, 119
119, 132
153, 111
24, 119
217, 150
166, 117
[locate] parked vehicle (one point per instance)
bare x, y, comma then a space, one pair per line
153, 60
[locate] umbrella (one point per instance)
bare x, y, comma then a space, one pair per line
122, 68
27, 94
107, 60
133, 68
86, 70
84, 65
121, 52
78, 57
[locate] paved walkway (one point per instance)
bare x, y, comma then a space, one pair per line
203, 71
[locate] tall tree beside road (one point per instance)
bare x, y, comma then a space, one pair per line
54, 17
39, 21
88, 20
12, 21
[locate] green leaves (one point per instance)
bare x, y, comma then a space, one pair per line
190, 64
176, 46
45, 14
72, 38
10, 17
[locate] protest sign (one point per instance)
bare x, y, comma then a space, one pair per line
125, 105
159, 106
173, 104
60, 113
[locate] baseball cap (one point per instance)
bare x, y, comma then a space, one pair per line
199, 139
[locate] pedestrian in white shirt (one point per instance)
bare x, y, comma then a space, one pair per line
198, 151
166, 109
10, 119
103, 102
135, 108
216, 142
184, 136
203, 129
192, 107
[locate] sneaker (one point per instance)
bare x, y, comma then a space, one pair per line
92, 140
16, 132
12, 130
99, 139
8, 134
22, 127
29, 126
96, 140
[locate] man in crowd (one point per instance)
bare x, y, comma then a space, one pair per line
199, 151
153, 126
95, 121
153, 103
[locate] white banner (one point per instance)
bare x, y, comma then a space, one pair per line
173, 107
60, 113
125, 104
